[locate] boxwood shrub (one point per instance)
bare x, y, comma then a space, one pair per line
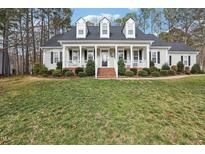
165, 67
129, 73
172, 72
142, 73
134, 70
187, 70
195, 69
78, 70
121, 67
147, 70
68, 73
155, 74
164, 72
180, 67
82, 74
57, 73
153, 69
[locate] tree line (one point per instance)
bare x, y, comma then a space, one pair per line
25, 30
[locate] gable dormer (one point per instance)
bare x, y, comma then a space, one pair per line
104, 28
81, 28
129, 28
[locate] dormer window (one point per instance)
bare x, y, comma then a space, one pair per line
81, 28
104, 28
129, 28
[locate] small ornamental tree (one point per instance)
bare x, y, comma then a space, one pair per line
121, 67
90, 68
180, 67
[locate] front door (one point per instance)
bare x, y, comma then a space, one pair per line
104, 57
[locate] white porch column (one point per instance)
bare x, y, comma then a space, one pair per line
116, 60
63, 57
131, 52
80, 55
96, 62
147, 56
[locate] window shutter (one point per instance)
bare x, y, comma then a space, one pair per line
150, 57
61, 57
189, 60
158, 57
140, 54
70, 54
85, 54
125, 54
51, 57
182, 59
170, 60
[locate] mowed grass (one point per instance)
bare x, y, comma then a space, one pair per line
89, 111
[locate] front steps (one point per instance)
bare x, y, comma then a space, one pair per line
106, 73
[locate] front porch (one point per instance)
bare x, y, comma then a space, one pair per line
105, 56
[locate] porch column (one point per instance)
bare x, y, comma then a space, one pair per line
63, 57
96, 62
116, 60
147, 56
80, 55
131, 52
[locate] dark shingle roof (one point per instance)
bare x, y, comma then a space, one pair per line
180, 46
116, 33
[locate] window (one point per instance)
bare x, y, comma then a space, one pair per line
135, 55
90, 55
80, 32
55, 56
185, 60
130, 29
75, 55
120, 54
104, 29
154, 57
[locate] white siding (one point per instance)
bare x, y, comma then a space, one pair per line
81, 25
129, 25
1, 60
176, 57
47, 57
163, 56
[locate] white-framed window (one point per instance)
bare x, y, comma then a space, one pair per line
154, 57
136, 54
130, 29
55, 57
104, 29
185, 60
90, 55
121, 54
80, 31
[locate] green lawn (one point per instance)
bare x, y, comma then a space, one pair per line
89, 111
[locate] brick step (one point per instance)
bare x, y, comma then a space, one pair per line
106, 73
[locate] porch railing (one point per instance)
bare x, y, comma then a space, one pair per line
75, 63
139, 63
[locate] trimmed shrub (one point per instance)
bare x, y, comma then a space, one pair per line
142, 73
165, 67
151, 64
78, 70
65, 70
155, 74
121, 67
174, 68
43, 71
153, 69
50, 72
164, 72
57, 73
134, 70
90, 68
82, 74
68, 73
195, 69
59, 65
39, 69
172, 72
147, 69
187, 70
180, 67
129, 73
201, 72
